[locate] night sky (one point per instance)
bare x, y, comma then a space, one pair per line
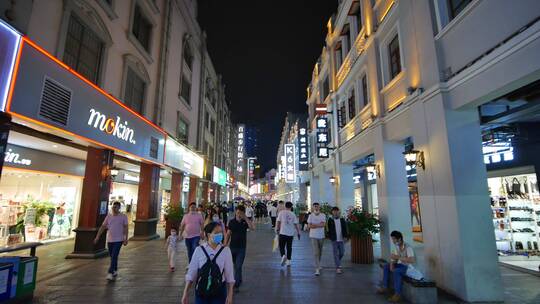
266, 52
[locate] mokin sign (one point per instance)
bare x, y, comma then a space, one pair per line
47, 93
111, 126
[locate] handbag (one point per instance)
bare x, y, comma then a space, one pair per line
275, 243
414, 273
516, 186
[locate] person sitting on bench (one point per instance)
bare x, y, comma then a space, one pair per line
401, 264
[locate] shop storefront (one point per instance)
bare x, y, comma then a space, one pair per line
39, 195
47, 100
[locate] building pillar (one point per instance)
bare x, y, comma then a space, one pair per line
459, 243
94, 204
177, 179
147, 204
392, 190
193, 186
327, 189
204, 195
5, 126
346, 187
315, 189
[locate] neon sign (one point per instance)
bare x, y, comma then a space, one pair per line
111, 126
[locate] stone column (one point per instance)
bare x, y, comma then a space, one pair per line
459, 243
392, 190
147, 204
193, 185
94, 204
177, 179
346, 187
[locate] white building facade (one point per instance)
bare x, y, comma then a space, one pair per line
423, 77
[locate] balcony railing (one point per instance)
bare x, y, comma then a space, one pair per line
354, 53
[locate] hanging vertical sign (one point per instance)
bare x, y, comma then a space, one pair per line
251, 171
322, 137
290, 163
303, 153
241, 147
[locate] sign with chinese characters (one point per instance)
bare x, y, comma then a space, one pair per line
180, 157
303, 150
323, 138
241, 148
251, 171
290, 163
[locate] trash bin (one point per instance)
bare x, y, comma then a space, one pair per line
6, 275
26, 281
15, 273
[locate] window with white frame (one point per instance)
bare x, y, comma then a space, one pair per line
352, 104
391, 56
135, 90
182, 129
83, 49
339, 55
364, 100
141, 28
394, 57
185, 89
456, 6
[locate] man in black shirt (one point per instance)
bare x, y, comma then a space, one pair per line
237, 239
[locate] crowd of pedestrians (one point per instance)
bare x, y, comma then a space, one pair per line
216, 245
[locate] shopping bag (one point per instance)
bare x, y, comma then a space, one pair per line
275, 243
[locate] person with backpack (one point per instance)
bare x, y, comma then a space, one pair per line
338, 234
211, 270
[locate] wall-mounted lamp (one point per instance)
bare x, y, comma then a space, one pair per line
332, 179
114, 172
416, 158
373, 170
411, 90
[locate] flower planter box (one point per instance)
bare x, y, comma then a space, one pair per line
362, 250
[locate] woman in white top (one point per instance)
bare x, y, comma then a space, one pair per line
213, 248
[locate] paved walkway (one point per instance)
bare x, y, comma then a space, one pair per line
144, 277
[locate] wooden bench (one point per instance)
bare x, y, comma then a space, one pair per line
416, 291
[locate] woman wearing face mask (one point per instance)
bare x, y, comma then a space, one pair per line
211, 269
213, 217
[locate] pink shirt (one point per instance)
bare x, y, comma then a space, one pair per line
193, 223
224, 261
115, 227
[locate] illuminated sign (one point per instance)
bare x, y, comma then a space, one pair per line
241, 148
185, 184
321, 108
10, 39
290, 163
251, 171
500, 152
180, 157
131, 178
220, 177
322, 152
46, 92
111, 126
14, 158
303, 151
323, 137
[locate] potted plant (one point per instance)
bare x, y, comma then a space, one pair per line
301, 210
173, 218
362, 225
326, 209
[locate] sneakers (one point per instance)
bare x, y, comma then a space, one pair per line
382, 291
288, 263
339, 271
395, 298
317, 272
115, 274
110, 277
172, 269
283, 260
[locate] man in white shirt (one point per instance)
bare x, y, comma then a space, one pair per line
272, 211
249, 211
316, 222
286, 224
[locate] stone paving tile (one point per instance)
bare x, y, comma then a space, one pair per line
144, 277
